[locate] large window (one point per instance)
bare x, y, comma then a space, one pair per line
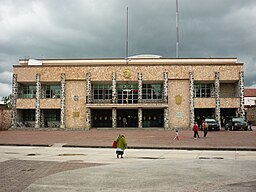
27, 91
52, 115
202, 90
127, 93
102, 92
152, 91
28, 115
51, 91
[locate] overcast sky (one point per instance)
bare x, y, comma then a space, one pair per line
97, 29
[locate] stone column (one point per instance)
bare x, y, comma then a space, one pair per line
241, 89
42, 119
14, 100
139, 87
63, 101
191, 100
217, 97
114, 125
38, 94
166, 118
165, 86
114, 94
88, 88
140, 117
88, 118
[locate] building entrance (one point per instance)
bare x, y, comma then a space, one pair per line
153, 118
101, 118
127, 118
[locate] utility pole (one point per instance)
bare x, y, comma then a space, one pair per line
177, 28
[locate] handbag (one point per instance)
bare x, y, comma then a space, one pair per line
114, 144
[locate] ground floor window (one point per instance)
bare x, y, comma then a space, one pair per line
28, 115
152, 117
101, 118
52, 115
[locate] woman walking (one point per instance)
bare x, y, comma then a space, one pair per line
121, 145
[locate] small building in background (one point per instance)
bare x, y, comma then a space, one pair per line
250, 104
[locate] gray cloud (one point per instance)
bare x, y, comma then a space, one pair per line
96, 28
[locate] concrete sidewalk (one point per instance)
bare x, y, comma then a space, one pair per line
136, 138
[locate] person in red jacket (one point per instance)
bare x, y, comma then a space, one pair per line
195, 129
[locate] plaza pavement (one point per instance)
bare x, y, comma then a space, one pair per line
41, 161
136, 139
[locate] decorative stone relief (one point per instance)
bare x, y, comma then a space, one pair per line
139, 87
217, 96
14, 100
38, 94
165, 86
241, 85
114, 95
140, 117
166, 118
114, 125
191, 100
63, 99
88, 118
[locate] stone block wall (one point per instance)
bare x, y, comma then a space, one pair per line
5, 119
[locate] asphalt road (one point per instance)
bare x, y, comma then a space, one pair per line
87, 169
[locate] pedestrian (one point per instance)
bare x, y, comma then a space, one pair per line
195, 129
199, 122
205, 128
176, 135
124, 121
249, 125
121, 145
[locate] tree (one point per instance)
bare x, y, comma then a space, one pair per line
8, 101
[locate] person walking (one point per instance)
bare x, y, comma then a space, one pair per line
121, 145
249, 125
205, 128
195, 129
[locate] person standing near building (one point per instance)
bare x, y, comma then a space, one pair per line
195, 129
205, 128
124, 121
121, 145
249, 125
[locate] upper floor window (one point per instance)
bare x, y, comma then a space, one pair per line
202, 90
51, 91
27, 91
102, 91
152, 91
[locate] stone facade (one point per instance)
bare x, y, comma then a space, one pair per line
178, 77
5, 119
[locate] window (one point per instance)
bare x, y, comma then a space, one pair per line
127, 93
202, 90
29, 115
102, 92
152, 91
27, 91
51, 91
52, 115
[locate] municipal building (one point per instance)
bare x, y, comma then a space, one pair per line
142, 92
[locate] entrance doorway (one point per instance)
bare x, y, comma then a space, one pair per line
101, 118
130, 116
153, 118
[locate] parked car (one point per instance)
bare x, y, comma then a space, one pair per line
236, 123
212, 124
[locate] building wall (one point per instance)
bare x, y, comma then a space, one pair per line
178, 75
75, 110
5, 119
178, 102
